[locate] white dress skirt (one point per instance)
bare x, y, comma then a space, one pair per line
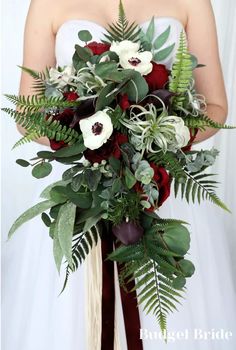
35, 317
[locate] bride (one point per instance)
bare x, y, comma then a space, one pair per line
36, 318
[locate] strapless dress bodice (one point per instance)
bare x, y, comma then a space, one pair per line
67, 36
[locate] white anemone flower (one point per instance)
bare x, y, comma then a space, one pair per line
62, 78
125, 45
96, 129
139, 61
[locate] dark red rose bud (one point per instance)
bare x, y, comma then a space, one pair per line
158, 77
71, 96
56, 145
98, 48
124, 102
128, 232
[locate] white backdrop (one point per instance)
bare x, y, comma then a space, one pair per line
18, 186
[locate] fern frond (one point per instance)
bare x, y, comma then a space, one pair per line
36, 123
35, 103
122, 30
82, 244
169, 162
197, 186
39, 79
202, 122
181, 74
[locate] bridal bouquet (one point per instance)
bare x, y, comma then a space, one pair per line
122, 124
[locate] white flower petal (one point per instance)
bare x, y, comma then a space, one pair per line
91, 139
123, 46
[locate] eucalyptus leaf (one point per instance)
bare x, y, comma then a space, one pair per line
161, 39
46, 192
164, 53
30, 214
59, 194
45, 154
42, 170
136, 88
85, 35
92, 178
77, 182
179, 282
106, 97
65, 228
46, 219
70, 173
22, 163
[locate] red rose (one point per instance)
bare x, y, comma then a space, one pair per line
162, 178
124, 102
158, 77
110, 148
71, 96
193, 134
98, 48
56, 145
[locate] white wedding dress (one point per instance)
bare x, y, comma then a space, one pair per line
35, 318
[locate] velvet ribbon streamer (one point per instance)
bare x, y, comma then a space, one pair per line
129, 302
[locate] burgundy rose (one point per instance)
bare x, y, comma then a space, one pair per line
71, 96
162, 178
124, 102
65, 118
98, 48
110, 148
158, 77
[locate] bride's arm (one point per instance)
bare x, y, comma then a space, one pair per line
39, 44
202, 39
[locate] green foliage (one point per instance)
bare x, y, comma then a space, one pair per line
122, 29
123, 207
35, 103
39, 79
82, 244
169, 161
150, 43
181, 74
198, 186
159, 272
36, 124
203, 121
42, 170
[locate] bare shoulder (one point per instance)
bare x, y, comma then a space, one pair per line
200, 10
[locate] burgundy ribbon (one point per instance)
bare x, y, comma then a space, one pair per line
129, 302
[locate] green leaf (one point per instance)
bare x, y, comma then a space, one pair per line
151, 30
74, 150
83, 53
106, 69
130, 179
187, 267
58, 194
46, 192
77, 182
57, 250
92, 178
70, 173
136, 88
85, 35
22, 163
46, 219
179, 282
45, 154
30, 214
65, 227
117, 186
42, 170
164, 53
161, 39
177, 238
105, 97
82, 199
115, 165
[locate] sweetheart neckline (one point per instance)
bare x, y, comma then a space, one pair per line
99, 25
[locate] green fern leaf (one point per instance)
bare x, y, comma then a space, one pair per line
181, 74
